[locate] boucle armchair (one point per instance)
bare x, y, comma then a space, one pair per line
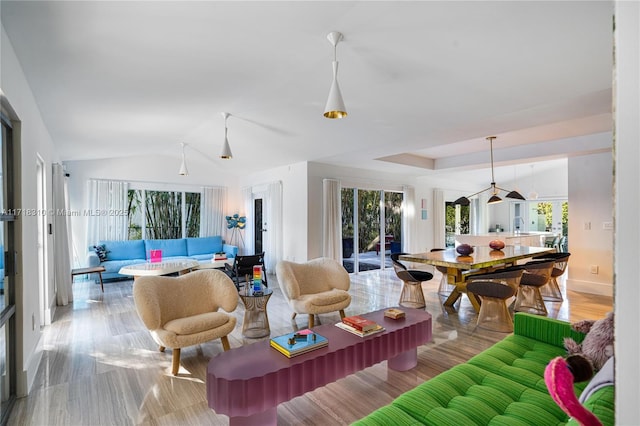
183, 311
318, 286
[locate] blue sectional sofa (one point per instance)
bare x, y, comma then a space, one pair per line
123, 253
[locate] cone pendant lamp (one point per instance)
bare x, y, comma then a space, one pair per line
226, 149
183, 167
335, 104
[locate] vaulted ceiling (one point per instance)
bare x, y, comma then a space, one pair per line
424, 82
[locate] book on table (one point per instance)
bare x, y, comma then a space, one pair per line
298, 343
357, 332
394, 313
360, 323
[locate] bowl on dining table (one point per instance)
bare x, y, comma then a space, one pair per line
464, 249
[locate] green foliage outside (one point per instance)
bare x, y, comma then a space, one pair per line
163, 214
450, 222
192, 211
369, 216
546, 208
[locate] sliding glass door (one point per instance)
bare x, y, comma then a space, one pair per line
7, 273
371, 228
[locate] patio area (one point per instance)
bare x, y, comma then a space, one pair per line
367, 261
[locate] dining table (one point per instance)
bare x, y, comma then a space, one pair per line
483, 259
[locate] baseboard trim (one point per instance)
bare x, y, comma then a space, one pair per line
26, 378
602, 289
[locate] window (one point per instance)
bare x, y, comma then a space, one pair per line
456, 222
371, 228
163, 214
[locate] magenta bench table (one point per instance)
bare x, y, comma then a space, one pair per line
248, 383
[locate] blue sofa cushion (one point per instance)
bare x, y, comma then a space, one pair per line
124, 250
169, 247
204, 245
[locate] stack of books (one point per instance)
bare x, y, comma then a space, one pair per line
359, 326
298, 343
220, 256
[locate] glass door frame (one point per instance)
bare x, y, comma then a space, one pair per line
355, 239
8, 310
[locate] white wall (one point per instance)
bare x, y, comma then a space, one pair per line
452, 190
627, 205
294, 206
591, 203
32, 137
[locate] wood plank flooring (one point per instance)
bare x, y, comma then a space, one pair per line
101, 367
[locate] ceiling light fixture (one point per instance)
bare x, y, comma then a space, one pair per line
226, 149
495, 198
183, 167
335, 105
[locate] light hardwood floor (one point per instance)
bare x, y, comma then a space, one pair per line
101, 367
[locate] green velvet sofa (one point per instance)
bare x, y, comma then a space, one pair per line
503, 385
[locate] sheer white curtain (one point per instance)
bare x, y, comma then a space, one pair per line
107, 206
439, 220
408, 218
273, 236
483, 213
61, 238
247, 201
331, 220
212, 207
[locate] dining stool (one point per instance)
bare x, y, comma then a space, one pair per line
494, 288
444, 289
551, 292
412, 295
537, 273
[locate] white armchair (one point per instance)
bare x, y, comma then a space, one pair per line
183, 311
318, 286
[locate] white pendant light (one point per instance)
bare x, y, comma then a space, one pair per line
226, 149
183, 166
335, 104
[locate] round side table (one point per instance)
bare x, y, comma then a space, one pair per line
256, 321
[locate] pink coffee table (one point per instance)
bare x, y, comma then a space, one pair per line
248, 383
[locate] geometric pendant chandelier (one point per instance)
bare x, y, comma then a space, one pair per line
335, 105
495, 190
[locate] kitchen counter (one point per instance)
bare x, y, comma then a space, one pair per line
530, 239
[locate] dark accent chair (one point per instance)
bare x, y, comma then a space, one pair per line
243, 267
551, 292
412, 295
537, 273
494, 288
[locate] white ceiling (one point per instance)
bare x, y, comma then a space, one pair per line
424, 82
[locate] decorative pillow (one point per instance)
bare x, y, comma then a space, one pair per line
101, 251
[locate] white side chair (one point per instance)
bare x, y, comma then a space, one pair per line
318, 286
184, 311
